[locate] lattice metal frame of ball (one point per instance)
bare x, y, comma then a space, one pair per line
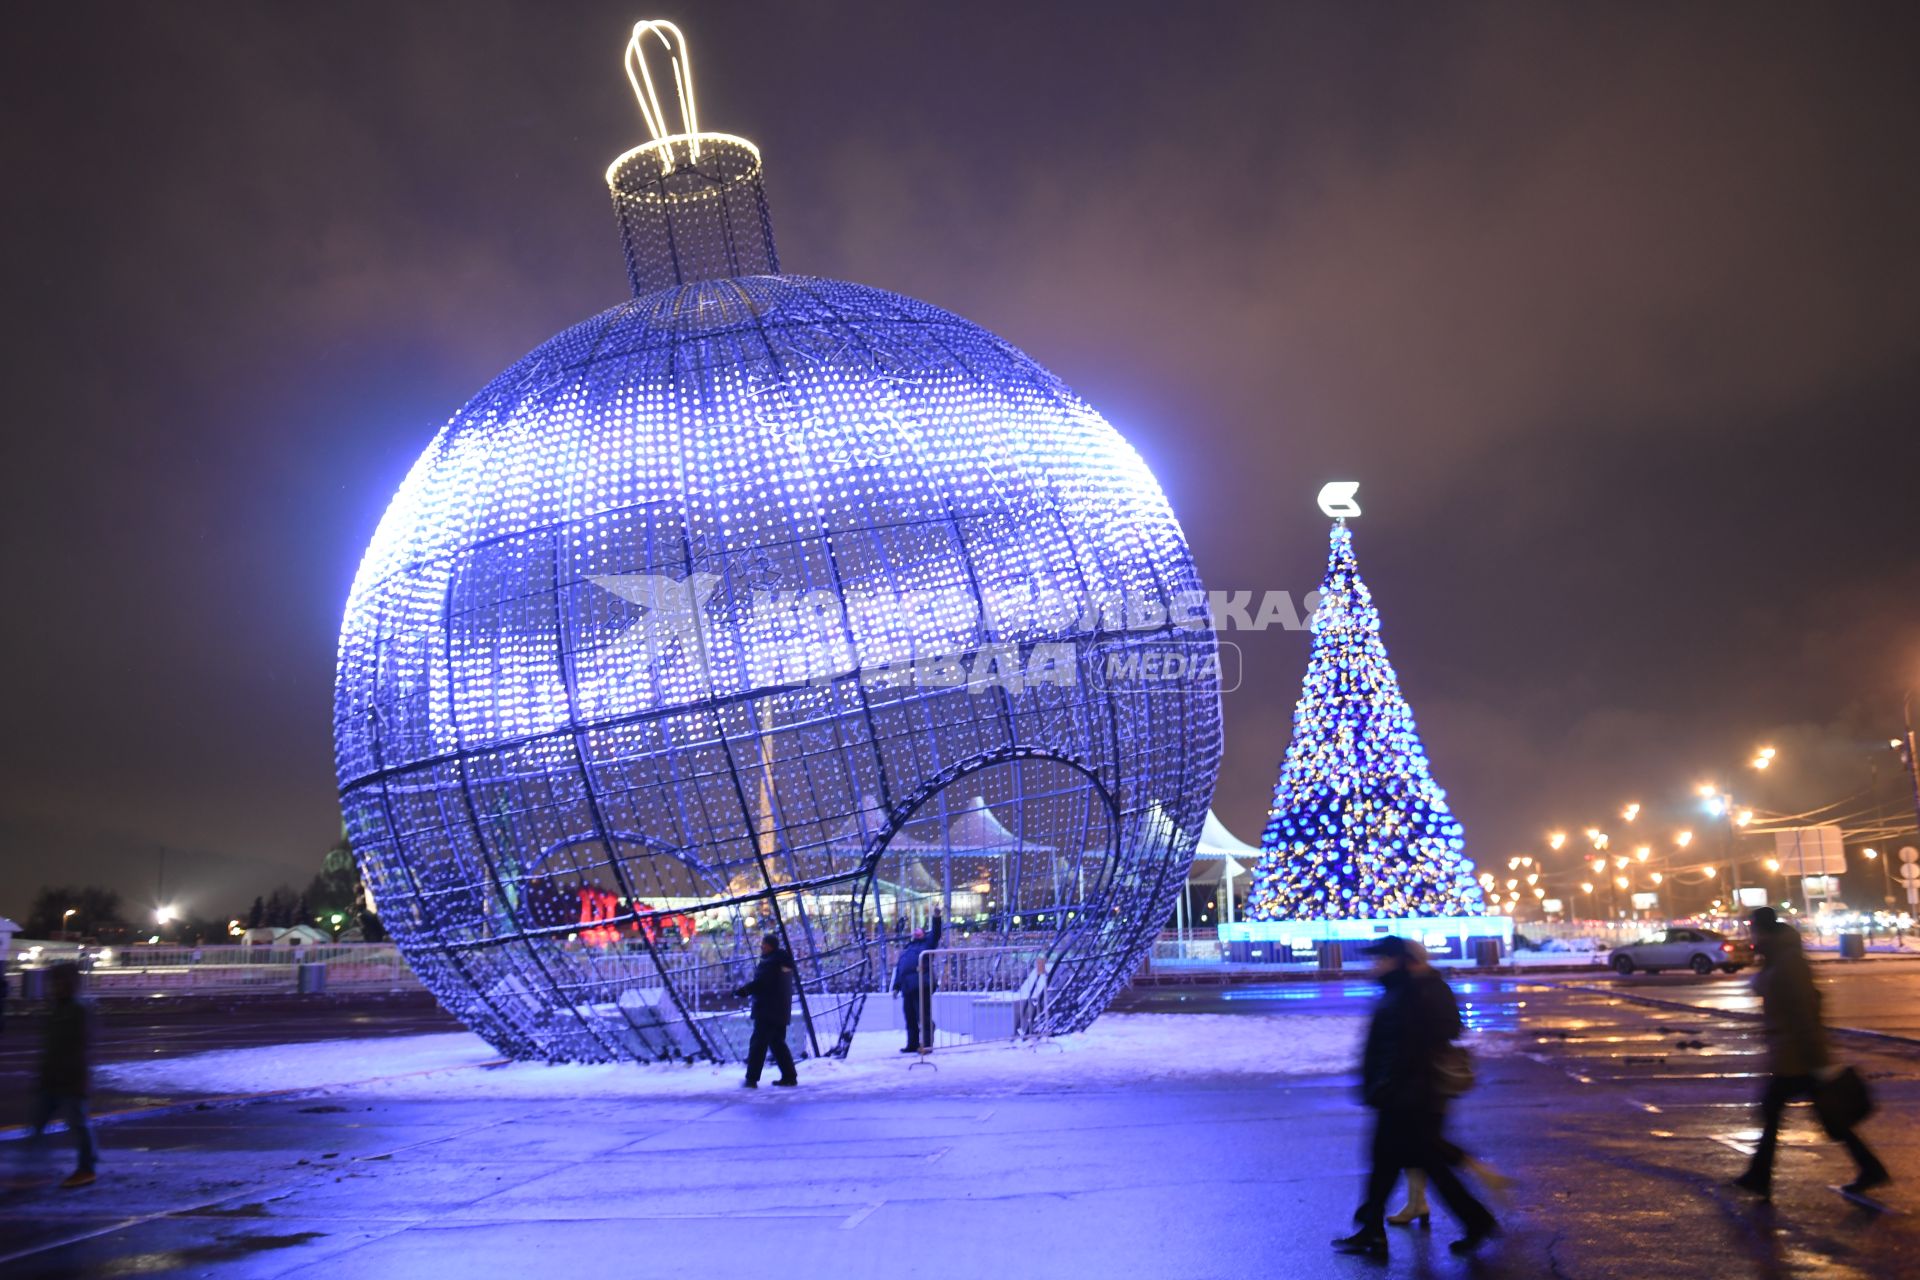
766, 603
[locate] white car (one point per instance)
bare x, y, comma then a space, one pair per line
1701, 950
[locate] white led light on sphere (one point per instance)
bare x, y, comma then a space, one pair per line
758, 604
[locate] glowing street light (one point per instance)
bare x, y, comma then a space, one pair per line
1743, 817
1711, 872
1533, 878
1586, 886
1683, 839
1620, 881
1556, 839
1631, 812
1658, 878
1644, 852
165, 915
1869, 854
1773, 864
1599, 866
1764, 758
1706, 791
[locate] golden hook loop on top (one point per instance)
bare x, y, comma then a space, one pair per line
640, 76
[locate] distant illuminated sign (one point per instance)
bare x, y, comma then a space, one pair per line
1337, 498
1810, 851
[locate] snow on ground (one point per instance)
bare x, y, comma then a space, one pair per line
1120, 1050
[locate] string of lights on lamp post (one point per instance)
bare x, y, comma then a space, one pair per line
1663, 875
1615, 873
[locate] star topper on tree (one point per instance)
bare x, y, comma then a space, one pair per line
1358, 828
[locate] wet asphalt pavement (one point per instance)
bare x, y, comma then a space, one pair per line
1623, 1119
170, 1026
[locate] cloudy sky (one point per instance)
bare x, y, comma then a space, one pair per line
1613, 309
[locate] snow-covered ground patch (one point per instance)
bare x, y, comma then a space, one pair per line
1120, 1050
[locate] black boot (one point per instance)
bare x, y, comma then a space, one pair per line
1475, 1237
1367, 1242
1868, 1180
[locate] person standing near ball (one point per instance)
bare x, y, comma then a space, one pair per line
916, 999
772, 992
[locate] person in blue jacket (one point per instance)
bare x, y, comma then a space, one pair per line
916, 1000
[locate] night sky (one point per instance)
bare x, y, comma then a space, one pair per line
1614, 310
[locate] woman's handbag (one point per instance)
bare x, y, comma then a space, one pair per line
1841, 1101
1453, 1071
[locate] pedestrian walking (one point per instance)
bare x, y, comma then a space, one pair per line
772, 992
66, 1069
1399, 1079
1798, 1057
1444, 1011
916, 998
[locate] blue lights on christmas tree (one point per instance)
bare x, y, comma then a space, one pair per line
1358, 828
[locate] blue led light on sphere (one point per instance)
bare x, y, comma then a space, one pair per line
767, 603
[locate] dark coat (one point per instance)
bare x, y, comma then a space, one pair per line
1789, 1004
66, 1052
1414, 1020
906, 971
771, 989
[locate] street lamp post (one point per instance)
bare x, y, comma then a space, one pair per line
1913, 755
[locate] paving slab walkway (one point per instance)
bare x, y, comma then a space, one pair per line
1622, 1120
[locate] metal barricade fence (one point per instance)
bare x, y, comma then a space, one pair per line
972, 995
144, 969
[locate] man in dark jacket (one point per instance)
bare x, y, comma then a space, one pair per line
1797, 1053
916, 999
66, 1059
772, 992
1398, 1080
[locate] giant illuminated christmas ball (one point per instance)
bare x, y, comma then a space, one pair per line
757, 604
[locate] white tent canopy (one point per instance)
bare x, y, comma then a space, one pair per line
1219, 858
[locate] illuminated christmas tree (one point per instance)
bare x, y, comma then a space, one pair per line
1358, 828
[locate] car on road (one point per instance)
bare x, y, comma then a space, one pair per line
1701, 950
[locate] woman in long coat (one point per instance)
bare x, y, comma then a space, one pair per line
1797, 1051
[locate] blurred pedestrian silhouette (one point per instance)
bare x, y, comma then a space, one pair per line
772, 992
1798, 1057
1445, 1013
916, 997
66, 1068
1400, 1079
